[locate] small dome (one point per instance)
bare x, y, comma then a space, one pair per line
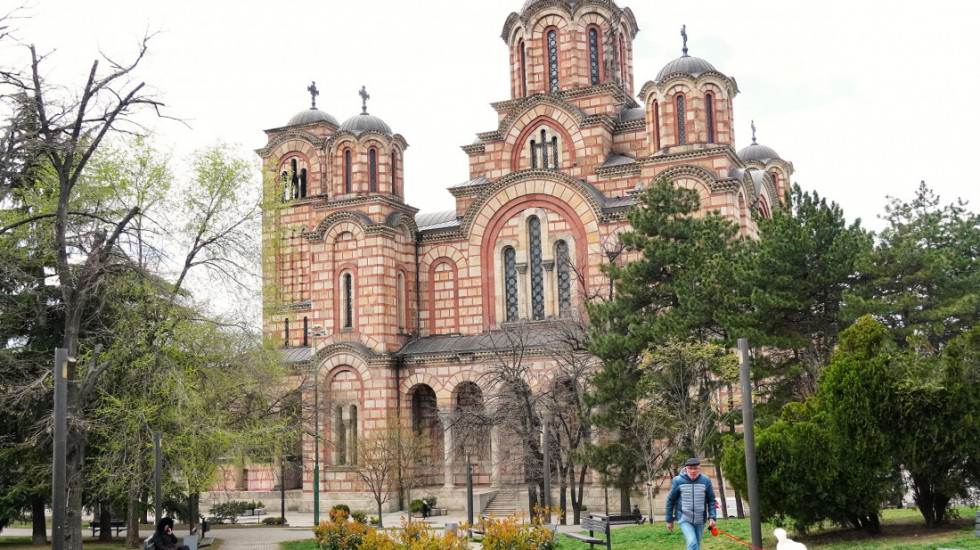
759, 153
530, 3
311, 115
685, 64
365, 122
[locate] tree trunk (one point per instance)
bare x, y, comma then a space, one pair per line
105, 523
721, 491
133, 521
73, 517
562, 497
39, 534
577, 501
381, 522
739, 509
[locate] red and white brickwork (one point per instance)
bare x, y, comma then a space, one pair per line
414, 283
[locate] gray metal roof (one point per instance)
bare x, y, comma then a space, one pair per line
309, 116
615, 159
475, 181
296, 355
757, 152
364, 122
436, 220
685, 64
489, 341
637, 113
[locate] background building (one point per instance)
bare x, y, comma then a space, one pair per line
408, 305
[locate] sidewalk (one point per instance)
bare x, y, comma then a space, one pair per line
268, 538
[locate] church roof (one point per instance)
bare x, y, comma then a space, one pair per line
636, 113
481, 343
311, 115
759, 153
437, 220
685, 64
365, 122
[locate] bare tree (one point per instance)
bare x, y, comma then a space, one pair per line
377, 463
567, 409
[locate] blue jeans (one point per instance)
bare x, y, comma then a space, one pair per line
692, 533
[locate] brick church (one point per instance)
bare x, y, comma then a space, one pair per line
394, 307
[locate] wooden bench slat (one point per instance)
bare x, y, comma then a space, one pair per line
584, 538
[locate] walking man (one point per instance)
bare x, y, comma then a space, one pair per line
691, 502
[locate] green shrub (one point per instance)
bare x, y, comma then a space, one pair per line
374, 520
343, 507
359, 516
415, 505
273, 520
430, 500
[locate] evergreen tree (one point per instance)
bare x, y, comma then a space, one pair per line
924, 274
793, 279
677, 288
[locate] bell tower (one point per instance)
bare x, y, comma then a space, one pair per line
558, 45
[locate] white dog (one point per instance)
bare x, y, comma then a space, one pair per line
786, 544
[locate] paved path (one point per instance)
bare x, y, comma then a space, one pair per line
268, 538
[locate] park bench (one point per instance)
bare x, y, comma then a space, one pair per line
597, 526
255, 514
116, 524
624, 519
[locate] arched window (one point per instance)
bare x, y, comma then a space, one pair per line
302, 182
553, 60
510, 284
295, 179
523, 61
286, 344
348, 172
622, 60
537, 274
373, 168
394, 172
681, 126
709, 108
544, 153
656, 125
347, 303
345, 433
400, 302
563, 264
593, 55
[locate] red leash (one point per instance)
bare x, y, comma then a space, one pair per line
715, 530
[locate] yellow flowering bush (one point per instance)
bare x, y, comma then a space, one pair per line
414, 536
517, 533
338, 533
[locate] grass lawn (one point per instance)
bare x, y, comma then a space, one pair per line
901, 530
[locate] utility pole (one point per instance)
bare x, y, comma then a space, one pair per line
748, 427
317, 331
59, 473
158, 475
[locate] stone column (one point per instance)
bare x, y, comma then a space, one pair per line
448, 462
495, 458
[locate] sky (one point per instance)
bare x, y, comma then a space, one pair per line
865, 97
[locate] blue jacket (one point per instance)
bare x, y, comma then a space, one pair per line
691, 501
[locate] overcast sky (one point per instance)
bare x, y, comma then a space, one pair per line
866, 98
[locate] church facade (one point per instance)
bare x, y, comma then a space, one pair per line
392, 309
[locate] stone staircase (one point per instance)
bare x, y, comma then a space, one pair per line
504, 503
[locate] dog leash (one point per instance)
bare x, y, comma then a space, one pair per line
715, 530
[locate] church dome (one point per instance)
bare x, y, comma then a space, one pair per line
685, 64
365, 122
530, 3
310, 116
758, 153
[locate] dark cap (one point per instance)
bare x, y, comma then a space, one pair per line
692, 462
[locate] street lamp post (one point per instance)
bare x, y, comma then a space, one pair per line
317, 331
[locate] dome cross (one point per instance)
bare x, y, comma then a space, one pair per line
684, 36
364, 97
313, 93
753, 131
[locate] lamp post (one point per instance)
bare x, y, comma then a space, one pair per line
316, 331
